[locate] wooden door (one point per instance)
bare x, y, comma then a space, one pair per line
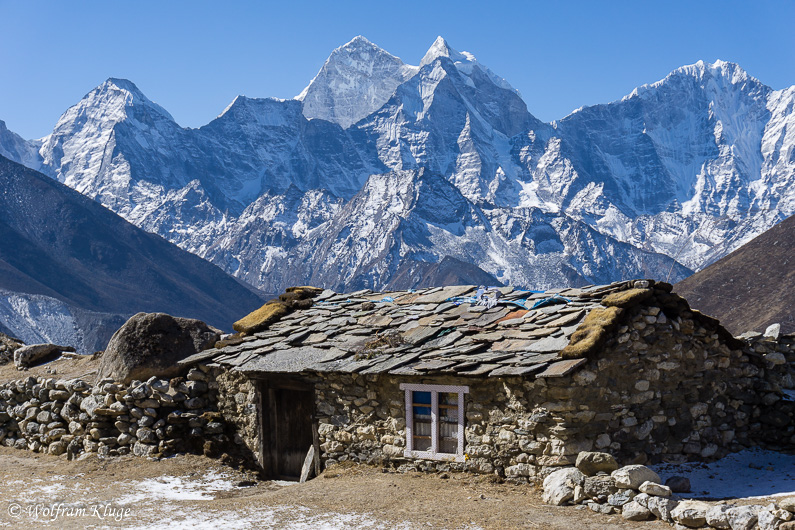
287, 430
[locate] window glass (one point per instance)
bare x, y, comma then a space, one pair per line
448, 422
422, 420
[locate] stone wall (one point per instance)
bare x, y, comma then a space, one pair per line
237, 404
156, 417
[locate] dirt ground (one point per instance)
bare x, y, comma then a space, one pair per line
68, 366
188, 491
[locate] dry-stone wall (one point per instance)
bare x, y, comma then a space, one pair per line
155, 417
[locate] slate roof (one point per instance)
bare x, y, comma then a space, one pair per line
428, 331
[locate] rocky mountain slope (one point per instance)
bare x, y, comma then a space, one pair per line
378, 165
71, 270
753, 286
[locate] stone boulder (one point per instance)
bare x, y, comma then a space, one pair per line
717, 516
633, 476
599, 487
590, 463
634, 511
151, 344
743, 517
559, 485
658, 490
691, 513
27, 356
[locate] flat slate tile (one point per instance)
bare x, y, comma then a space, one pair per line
565, 320
516, 370
419, 334
480, 369
433, 364
549, 344
562, 368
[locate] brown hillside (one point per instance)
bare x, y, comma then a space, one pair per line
752, 287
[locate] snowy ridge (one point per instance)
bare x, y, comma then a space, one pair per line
37, 319
378, 163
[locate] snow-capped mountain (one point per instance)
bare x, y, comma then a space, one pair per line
378, 167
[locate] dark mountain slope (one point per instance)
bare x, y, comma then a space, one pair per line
752, 287
59, 243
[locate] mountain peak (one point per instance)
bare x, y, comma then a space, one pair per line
715, 77
465, 62
355, 81
440, 48
720, 68
358, 41
117, 94
122, 84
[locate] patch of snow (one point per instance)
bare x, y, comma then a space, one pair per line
753, 473
177, 488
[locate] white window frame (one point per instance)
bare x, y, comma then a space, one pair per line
434, 453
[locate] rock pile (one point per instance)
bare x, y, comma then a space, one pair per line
637, 493
155, 417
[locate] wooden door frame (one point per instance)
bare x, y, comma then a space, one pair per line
265, 386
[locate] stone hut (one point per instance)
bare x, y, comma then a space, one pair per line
497, 381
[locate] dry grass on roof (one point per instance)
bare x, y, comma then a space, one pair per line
592, 332
628, 298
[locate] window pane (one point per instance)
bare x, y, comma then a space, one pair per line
448, 422
422, 420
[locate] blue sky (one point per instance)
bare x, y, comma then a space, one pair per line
193, 57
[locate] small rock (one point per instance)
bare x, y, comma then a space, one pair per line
717, 517
743, 517
678, 484
692, 514
633, 476
579, 495
776, 358
657, 490
787, 503
767, 520
57, 448
773, 331
591, 463
661, 507
599, 487
634, 511
621, 497
142, 449
559, 485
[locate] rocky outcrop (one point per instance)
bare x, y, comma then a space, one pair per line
27, 356
151, 344
8, 345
